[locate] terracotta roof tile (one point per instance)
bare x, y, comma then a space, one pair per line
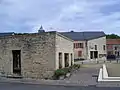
113, 41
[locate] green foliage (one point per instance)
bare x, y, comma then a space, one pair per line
64, 71
76, 66
112, 36
58, 73
67, 70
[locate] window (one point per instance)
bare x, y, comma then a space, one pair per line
95, 47
115, 48
79, 53
104, 47
60, 60
78, 45
66, 58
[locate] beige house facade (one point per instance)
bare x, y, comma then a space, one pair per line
35, 55
88, 45
97, 48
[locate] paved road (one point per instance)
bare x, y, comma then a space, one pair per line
8, 86
86, 75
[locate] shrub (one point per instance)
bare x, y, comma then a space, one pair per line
61, 72
58, 73
64, 71
76, 66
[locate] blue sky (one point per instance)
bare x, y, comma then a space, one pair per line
60, 15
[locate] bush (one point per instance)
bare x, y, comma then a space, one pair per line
58, 73
64, 71
76, 66
61, 72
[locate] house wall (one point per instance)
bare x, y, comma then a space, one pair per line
115, 52
80, 49
111, 44
63, 45
99, 42
37, 54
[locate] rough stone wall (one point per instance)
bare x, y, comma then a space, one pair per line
37, 54
63, 45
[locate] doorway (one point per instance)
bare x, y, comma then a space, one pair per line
66, 58
71, 59
16, 61
93, 54
60, 60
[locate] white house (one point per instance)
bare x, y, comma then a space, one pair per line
88, 45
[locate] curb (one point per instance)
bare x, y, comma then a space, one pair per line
44, 82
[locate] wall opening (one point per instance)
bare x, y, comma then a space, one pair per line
93, 54
66, 58
60, 60
16, 61
71, 59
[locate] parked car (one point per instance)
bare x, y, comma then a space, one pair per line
79, 59
111, 57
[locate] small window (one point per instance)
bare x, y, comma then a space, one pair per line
81, 45
95, 47
104, 47
77, 45
115, 48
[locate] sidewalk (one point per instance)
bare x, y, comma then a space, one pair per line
41, 82
85, 76
82, 77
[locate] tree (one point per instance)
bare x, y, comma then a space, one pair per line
112, 36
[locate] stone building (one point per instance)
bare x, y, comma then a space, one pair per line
113, 47
88, 45
35, 55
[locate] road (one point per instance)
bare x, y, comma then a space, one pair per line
13, 86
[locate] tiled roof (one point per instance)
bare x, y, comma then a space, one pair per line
83, 35
113, 41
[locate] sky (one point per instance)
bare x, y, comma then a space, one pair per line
60, 15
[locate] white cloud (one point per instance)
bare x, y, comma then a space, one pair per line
28, 15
